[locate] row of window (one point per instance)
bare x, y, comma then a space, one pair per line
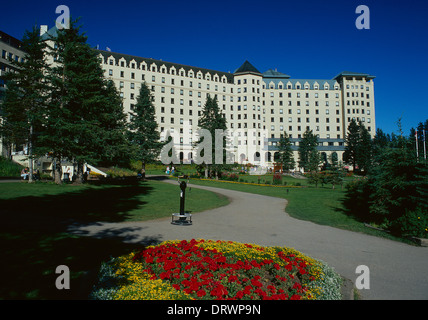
298, 86
11, 57
181, 72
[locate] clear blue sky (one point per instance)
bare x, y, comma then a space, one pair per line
315, 39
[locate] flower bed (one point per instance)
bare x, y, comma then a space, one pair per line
219, 270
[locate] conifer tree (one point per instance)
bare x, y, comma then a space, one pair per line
309, 156
143, 133
212, 119
358, 147
285, 157
23, 111
83, 107
351, 144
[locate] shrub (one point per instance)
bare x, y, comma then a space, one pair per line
116, 172
412, 223
9, 168
229, 176
277, 179
200, 269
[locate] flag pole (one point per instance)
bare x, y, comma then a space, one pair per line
425, 146
417, 149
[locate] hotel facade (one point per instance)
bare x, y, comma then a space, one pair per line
259, 107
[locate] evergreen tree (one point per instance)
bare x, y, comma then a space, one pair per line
351, 144
23, 111
380, 141
83, 106
212, 119
395, 191
143, 133
398, 184
115, 146
309, 156
358, 147
364, 149
334, 174
285, 157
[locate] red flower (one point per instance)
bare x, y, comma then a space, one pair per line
256, 283
201, 293
176, 286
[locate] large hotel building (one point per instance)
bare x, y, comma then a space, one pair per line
258, 106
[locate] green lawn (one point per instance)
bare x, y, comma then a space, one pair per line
320, 205
34, 238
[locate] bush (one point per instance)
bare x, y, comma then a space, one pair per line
229, 176
8, 168
357, 201
277, 179
207, 270
412, 223
120, 173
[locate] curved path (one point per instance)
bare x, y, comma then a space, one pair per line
397, 271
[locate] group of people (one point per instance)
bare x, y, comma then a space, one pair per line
25, 174
168, 171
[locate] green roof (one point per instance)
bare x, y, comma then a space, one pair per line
275, 74
353, 74
50, 34
247, 68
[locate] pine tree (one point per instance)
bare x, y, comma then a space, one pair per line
83, 106
285, 157
364, 149
212, 119
351, 144
143, 133
309, 156
358, 147
114, 148
23, 111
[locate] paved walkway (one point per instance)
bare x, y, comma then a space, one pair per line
397, 270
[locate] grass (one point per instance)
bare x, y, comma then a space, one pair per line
34, 238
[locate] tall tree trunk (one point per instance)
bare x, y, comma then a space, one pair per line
57, 171
30, 156
80, 177
143, 171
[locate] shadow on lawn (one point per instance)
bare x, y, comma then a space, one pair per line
34, 241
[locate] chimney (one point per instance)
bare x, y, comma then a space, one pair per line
43, 29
